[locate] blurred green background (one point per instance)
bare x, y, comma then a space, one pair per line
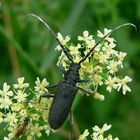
27, 49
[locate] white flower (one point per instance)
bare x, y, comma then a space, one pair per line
86, 37
97, 79
17, 107
76, 59
58, 48
99, 96
11, 118
35, 117
113, 66
90, 44
74, 49
5, 91
23, 112
111, 83
36, 130
6, 138
101, 130
41, 86
102, 57
98, 69
98, 133
21, 84
12, 130
122, 84
47, 129
108, 48
110, 138
5, 102
86, 67
106, 31
121, 56
62, 60
101, 35
94, 136
20, 96
84, 135
63, 40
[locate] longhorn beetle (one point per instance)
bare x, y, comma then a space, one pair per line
67, 89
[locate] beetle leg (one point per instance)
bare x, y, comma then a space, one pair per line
48, 95
83, 81
84, 90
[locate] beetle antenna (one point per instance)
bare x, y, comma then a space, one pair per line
55, 36
102, 39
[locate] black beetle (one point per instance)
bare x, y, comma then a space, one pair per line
67, 89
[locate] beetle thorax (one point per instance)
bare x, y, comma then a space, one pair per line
72, 75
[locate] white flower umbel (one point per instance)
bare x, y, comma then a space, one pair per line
18, 106
97, 133
104, 56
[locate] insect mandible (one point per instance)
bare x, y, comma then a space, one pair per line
67, 88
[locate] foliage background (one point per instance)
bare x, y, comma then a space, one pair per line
27, 49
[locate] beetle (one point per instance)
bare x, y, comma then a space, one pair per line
67, 89
22, 127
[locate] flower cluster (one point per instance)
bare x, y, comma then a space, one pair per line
101, 67
18, 103
97, 134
